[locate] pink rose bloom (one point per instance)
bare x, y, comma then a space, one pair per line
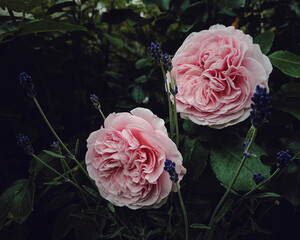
126, 159
217, 71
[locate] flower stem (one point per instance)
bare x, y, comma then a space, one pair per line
173, 86
211, 222
168, 97
260, 184
184, 212
176, 121
60, 141
101, 114
58, 173
75, 184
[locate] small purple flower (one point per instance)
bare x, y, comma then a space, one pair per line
247, 154
28, 84
170, 168
261, 107
258, 178
55, 146
283, 158
24, 142
158, 55
95, 101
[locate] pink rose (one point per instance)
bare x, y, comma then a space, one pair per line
217, 71
126, 159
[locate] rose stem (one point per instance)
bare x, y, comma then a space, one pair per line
233, 180
60, 141
168, 96
184, 212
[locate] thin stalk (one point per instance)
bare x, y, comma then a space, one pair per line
60, 141
75, 184
260, 184
102, 115
239, 202
168, 97
176, 121
175, 109
58, 173
57, 179
233, 180
184, 212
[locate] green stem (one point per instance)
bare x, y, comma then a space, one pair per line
75, 184
60, 141
211, 222
174, 85
58, 173
57, 179
260, 184
184, 212
101, 114
248, 193
168, 97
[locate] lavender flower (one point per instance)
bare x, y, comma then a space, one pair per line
24, 142
170, 168
261, 107
28, 84
258, 178
283, 158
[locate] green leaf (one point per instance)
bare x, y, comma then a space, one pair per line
91, 191
116, 233
117, 88
227, 6
53, 154
53, 183
138, 94
19, 199
265, 41
162, 4
118, 42
199, 226
144, 62
46, 158
287, 62
20, 5
8, 28
141, 79
266, 195
76, 147
198, 160
111, 207
188, 148
189, 126
48, 26
225, 159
